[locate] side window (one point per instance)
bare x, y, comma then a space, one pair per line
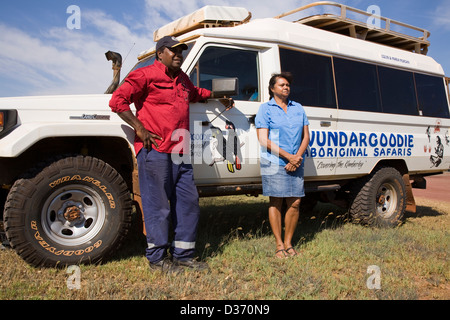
357, 85
398, 94
431, 96
144, 63
218, 62
313, 83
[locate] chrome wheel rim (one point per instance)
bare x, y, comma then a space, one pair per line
73, 215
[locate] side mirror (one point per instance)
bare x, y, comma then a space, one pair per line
225, 87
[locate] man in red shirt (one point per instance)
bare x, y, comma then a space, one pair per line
161, 94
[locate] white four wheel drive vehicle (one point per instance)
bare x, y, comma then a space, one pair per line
377, 104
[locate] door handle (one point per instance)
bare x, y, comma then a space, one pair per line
325, 124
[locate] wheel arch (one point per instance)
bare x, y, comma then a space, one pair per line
398, 164
115, 151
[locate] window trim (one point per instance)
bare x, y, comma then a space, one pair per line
377, 66
377, 83
195, 60
447, 82
411, 74
317, 53
445, 93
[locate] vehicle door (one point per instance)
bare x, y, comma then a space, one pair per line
224, 144
313, 87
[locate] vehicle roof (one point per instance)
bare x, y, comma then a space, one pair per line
306, 37
269, 31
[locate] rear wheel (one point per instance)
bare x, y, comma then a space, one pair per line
75, 210
380, 199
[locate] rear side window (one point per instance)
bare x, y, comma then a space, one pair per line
313, 83
398, 93
219, 62
431, 96
357, 85
362, 86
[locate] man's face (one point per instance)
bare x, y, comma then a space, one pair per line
172, 58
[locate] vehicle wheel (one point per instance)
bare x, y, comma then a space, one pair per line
380, 199
3, 195
75, 210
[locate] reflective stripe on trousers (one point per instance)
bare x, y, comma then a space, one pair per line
176, 244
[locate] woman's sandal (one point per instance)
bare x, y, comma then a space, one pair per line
293, 254
285, 255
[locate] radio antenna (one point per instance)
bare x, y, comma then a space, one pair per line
134, 44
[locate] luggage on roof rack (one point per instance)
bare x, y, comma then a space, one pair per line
206, 17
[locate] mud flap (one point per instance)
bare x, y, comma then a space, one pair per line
410, 201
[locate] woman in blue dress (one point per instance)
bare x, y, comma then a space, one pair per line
283, 132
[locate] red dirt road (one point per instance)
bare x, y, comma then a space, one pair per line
438, 188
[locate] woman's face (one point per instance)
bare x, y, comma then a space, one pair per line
282, 88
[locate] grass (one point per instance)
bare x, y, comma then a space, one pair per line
235, 239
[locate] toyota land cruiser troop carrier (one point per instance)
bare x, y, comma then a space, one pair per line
378, 108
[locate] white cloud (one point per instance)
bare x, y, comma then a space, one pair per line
63, 61
163, 12
33, 61
442, 16
269, 8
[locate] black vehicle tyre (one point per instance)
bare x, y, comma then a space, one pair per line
380, 199
74, 210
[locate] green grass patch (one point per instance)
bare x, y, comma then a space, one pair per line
236, 240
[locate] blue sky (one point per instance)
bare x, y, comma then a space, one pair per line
39, 55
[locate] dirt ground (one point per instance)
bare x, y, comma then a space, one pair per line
438, 188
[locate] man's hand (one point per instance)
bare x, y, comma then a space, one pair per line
227, 102
148, 138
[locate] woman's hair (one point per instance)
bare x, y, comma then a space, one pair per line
285, 75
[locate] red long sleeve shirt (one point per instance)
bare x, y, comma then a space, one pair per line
162, 103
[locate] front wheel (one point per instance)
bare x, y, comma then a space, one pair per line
380, 199
75, 210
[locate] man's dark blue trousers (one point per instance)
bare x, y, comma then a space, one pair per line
169, 197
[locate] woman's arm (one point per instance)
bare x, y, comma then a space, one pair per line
305, 141
301, 151
263, 137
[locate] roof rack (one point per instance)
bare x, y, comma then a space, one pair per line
359, 27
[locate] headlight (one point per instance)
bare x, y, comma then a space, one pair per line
8, 120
